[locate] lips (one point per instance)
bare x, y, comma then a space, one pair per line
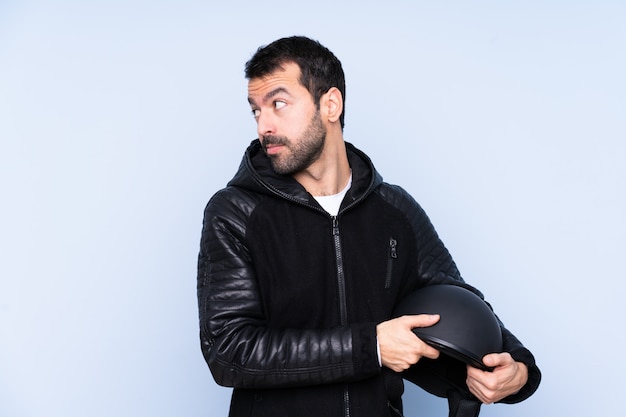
272, 144
272, 149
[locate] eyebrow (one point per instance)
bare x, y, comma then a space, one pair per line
270, 94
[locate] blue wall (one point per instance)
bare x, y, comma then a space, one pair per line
119, 119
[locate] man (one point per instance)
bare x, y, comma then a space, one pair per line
305, 254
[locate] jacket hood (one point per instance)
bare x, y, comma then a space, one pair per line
256, 174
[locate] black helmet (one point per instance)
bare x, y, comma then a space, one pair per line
467, 329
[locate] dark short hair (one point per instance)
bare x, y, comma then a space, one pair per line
319, 68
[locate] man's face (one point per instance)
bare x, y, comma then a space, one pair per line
289, 125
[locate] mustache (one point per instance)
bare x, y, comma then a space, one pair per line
273, 140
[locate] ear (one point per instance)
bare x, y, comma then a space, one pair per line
332, 104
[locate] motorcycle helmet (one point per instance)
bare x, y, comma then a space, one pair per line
467, 329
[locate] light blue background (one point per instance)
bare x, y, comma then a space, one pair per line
119, 119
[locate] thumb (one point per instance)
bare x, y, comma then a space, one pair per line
496, 359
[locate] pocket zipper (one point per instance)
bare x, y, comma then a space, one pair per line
393, 254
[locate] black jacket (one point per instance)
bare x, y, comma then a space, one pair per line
289, 296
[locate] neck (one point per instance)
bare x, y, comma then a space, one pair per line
329, 174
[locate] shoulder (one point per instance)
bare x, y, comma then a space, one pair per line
399, 198
232, 199
230, 207
409, 209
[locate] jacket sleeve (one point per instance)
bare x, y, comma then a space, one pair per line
238, 346
435, 266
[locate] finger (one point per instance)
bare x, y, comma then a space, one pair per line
490, 387
473, 372
497, 359
430, 352
422, 320
477, 387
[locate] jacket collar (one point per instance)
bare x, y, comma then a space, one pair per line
255, 173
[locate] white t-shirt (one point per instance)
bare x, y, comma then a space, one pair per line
331, 203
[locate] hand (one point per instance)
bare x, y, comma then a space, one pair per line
399, 346
507, 378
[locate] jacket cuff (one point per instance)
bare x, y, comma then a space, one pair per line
364, 350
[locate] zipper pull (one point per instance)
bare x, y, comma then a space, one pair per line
335, 226
393, 254
392, 248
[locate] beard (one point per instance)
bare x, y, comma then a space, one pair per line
300, 153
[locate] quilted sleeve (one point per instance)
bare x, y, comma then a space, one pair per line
239, 348
435, 266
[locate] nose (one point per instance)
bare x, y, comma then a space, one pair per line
266, 124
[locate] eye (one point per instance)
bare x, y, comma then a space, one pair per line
255, 113
279, 104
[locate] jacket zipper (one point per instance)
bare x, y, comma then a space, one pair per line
393, 254
343, 304
343, 309
341, 280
